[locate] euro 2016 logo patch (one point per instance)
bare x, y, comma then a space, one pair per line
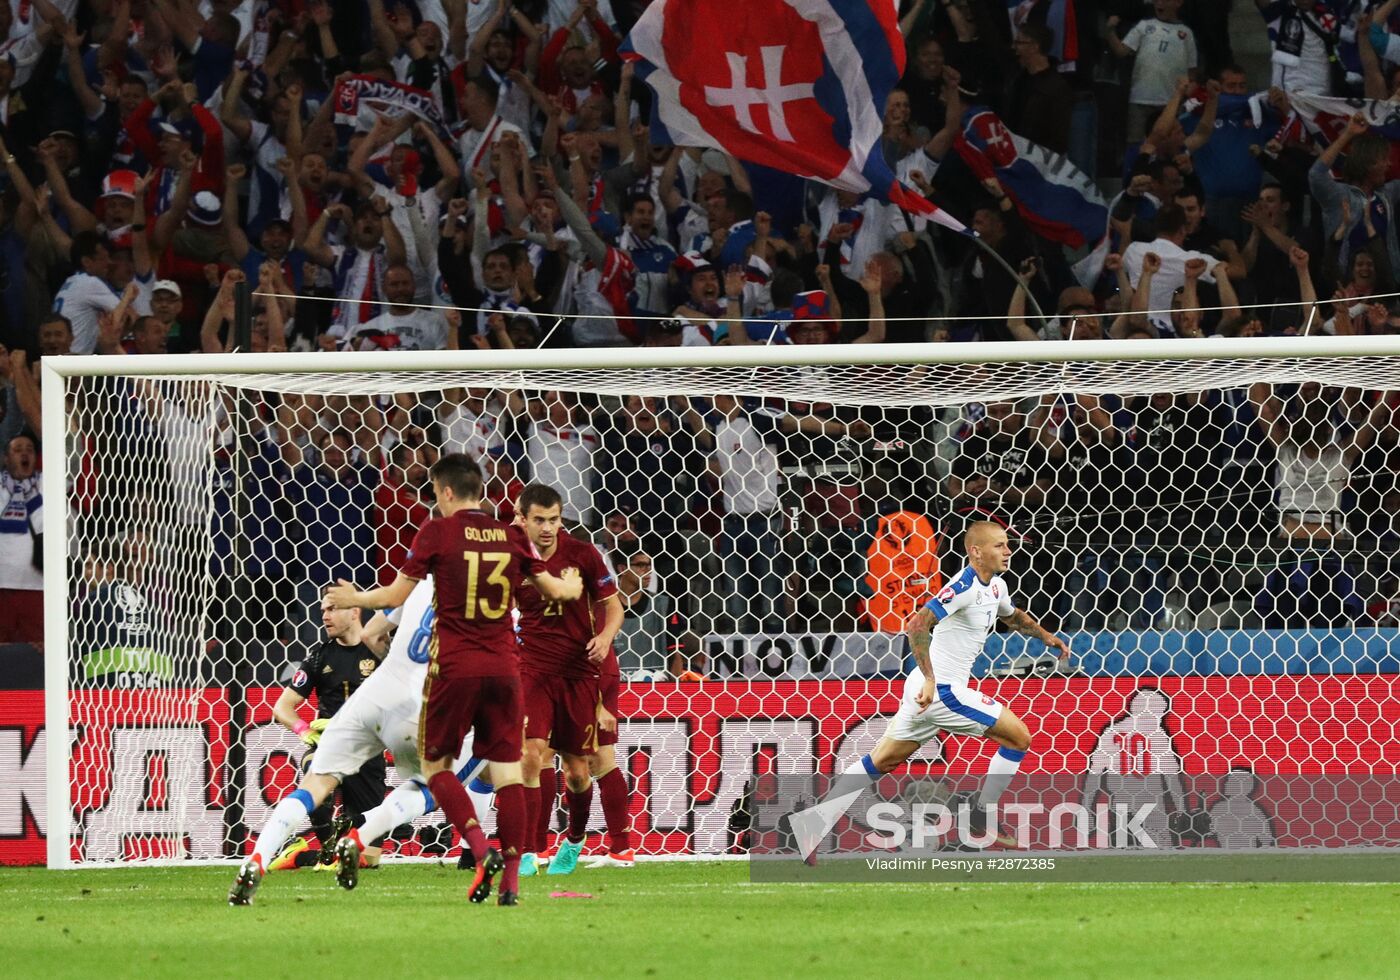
946, 595
299, 678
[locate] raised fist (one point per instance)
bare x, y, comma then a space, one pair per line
841, 231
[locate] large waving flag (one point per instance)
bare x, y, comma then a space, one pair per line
796, 85
1054, 197
1324, 119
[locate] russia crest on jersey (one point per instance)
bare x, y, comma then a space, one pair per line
796, 85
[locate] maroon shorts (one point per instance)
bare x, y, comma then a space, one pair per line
562, 711
488, 707
607, 689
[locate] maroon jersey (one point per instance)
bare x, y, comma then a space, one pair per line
555, 635
609, 667
477, 563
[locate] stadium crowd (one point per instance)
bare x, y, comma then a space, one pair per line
506, 193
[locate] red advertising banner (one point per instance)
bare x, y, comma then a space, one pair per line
150, 767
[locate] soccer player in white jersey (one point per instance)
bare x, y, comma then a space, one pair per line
381, 715
947, 635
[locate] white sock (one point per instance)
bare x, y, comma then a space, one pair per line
408, 801
481, 801
286, 817
859, 775
1002, 767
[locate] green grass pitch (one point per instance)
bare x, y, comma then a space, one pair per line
692, 919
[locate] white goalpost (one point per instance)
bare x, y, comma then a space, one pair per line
1216, 521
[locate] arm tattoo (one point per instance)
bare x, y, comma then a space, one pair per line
1021, 622
919, 633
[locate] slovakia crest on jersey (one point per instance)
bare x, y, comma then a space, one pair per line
996, 591
796, 85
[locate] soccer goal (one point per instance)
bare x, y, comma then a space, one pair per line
1212, 525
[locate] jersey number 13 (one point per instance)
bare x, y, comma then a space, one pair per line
480, 595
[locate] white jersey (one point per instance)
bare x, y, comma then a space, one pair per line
383, 712
1166, 50
967, 610
407, 661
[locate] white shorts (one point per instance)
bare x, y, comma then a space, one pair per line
956, 709
364, 728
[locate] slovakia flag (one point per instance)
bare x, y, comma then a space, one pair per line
796, 85
1055, 198
1324, 119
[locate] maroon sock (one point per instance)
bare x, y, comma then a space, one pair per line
457, 807
613, 788
511, 828
580, 806
545, 816
532, 817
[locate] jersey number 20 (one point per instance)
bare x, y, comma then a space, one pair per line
496, 577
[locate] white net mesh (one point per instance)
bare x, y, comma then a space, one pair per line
1232, 548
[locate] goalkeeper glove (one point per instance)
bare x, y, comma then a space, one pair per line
311, 733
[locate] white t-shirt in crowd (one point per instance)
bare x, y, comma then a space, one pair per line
416, 330
1308, 71
474, 145
82, 298
1168, 278
563, 458
1165, 53
748, 466
464, 431
21, 517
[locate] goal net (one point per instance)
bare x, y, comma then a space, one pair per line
1212, 526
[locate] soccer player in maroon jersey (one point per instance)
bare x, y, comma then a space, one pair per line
562, 647
602, 764
473, 684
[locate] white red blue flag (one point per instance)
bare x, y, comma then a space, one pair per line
1323, 119
1055, 198
796, 85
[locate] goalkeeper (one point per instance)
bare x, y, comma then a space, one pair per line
333, 670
